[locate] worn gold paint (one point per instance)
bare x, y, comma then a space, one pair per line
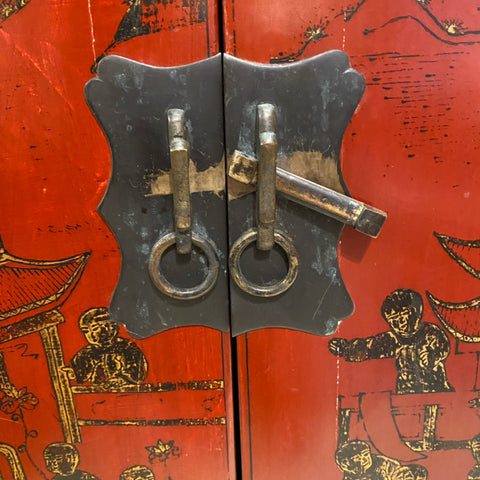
60, 382
206, 384
13, 461
160, 422
443, 310
429, 426
80, 259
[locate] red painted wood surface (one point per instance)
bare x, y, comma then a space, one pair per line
412, 150
55, 166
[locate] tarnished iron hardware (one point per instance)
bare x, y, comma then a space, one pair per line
167, 287
182, 237
179, 178
269, 290
267, 155
364, 218
314, 100
165, 199
265, 235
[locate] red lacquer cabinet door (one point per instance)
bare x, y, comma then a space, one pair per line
80, 396
392, 391
385, 389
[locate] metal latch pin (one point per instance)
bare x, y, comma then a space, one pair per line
265, 234
179, 179
182, 236
267, 163
362, 217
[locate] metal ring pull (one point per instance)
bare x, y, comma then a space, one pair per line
182, 237
263, 290
265, 234
167, 287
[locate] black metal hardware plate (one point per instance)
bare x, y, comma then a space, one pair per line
314, 100
130, 101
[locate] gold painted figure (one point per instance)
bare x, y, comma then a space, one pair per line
356, 461
403, 473
419, 348
137, 472
474, 473
108, 360
411, 472
62, 460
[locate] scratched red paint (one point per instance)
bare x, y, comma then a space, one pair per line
55, 165
411, 149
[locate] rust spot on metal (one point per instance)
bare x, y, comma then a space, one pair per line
210, 180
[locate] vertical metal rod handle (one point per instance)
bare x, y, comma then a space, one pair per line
266, 180
179, 178
182, 237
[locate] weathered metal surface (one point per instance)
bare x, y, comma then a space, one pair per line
256, 288
314, 100
174, 291
179, 178
267, 163
130, 100
364, 218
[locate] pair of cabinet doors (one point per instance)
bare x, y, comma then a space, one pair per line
388, 393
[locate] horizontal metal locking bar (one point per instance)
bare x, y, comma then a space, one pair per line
362, 217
